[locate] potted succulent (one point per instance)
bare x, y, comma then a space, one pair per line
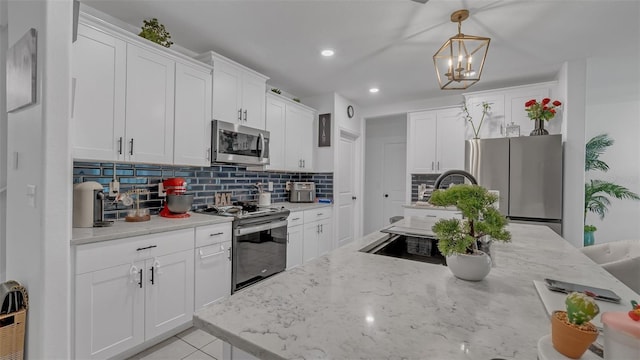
154, 31
459, 239
571, 331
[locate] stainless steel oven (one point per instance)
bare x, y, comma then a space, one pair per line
237, 144
259, 249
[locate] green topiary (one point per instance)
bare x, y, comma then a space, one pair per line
481, 218
154, 31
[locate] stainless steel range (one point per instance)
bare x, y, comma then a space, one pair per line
259, 244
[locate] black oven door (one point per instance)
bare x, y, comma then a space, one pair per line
259, 251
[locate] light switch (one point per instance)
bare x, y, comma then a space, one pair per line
31, 195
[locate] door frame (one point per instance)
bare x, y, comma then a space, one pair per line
356, 138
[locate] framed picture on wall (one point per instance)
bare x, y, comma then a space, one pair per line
21, 72
324, 130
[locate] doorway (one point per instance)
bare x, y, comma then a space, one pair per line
348, 171
385, 170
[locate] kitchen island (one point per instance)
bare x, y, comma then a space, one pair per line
350, 304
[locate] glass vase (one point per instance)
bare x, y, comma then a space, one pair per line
539, 129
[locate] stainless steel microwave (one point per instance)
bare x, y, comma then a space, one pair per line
237, 144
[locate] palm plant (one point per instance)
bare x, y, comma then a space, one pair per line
596, 191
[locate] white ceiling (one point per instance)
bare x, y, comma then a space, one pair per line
390, 43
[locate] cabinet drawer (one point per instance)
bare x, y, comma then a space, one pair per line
295, 218
213, 234
107, 254
433, 213
317, 214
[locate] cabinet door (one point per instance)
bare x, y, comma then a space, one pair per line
150, 106
493, 124
253, 100
98, 109
310, 241
275, 124
109, 316
515, 111
295, 246
213, 273
192, 134
306, 139
421, 146
227, 92
450, 140
325, 238
169, 292
295, 127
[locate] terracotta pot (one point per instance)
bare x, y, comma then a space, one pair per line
568, 339
469, 267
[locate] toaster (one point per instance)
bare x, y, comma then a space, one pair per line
302, 192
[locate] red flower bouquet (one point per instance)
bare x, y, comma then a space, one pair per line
544, 110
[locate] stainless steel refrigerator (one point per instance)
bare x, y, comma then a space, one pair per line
526, 170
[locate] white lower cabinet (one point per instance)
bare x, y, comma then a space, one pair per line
295, 239
213, 264
131, 290
317, 233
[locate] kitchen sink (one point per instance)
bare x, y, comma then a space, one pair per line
423, 249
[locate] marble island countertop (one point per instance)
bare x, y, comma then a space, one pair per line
349, 304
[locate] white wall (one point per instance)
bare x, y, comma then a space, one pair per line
38, 236
613, 107
391, 128
414, 105
571, 87
3, 141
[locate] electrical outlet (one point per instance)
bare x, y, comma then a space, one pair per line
161, 192
270, 186
287, 186
114, 188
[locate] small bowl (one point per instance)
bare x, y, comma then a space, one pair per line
179, 204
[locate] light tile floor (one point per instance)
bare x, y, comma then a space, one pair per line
191, 344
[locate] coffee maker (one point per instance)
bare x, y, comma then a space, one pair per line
88, 205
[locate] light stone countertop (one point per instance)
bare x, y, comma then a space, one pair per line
122, 229
423, 205
300, 206
348, 304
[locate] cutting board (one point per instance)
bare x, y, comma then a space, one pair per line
554, 300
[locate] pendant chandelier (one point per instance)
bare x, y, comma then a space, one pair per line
460, 60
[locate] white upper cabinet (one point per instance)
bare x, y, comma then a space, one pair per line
507, 108
149, 107
130, 97
435, 141
238, 92
192, 131
290, 127
98, 91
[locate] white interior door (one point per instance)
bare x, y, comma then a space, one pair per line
393, 175
348, 164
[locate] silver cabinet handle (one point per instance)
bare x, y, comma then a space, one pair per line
229, 251
317, 229
300, 163
262, 143
322, 228
304, 163
203, 256
438, 165
432, 166
208, 154
287, 238
245, 115
131, 147
295, 219
216, 234
120, 146
240, 114
431, 216
319, 214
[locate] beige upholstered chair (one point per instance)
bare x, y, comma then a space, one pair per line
620, 258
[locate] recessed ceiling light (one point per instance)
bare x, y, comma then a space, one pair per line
374, 90
327, 52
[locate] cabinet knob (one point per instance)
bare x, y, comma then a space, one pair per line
353, 198
386, 195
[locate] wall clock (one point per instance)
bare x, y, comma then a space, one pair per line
350, 111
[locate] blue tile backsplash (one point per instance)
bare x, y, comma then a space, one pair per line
203, 182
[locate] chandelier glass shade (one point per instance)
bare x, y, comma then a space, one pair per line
460, 60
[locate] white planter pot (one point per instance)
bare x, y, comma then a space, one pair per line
469, 267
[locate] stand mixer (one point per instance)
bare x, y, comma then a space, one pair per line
177, 203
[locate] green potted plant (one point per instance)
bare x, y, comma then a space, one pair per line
458, 239
156, 32
571, 331
596, 191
